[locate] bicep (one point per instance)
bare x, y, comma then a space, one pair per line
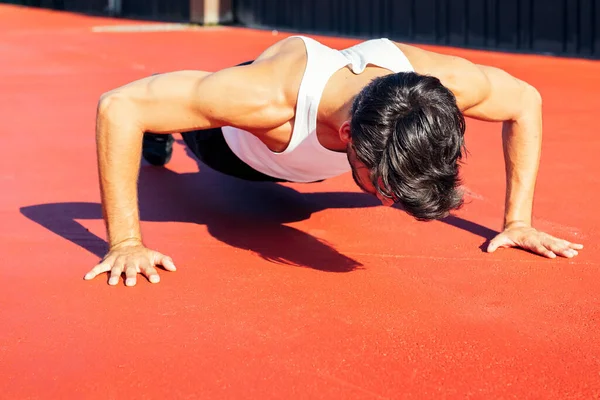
162, 103
190, 100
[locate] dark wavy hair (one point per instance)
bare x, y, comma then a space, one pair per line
409, 132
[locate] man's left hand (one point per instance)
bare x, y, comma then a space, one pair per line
529, 238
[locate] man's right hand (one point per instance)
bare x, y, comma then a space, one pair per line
132, 259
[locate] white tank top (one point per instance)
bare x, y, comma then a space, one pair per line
305, 159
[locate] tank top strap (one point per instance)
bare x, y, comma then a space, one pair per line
322, 62
379, 52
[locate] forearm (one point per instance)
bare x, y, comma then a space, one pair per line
522, 142
118, 142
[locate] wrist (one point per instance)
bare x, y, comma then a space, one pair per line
510, 224
131, 241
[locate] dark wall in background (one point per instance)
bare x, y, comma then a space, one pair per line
565, 27
85, 6
561, 27
168, 10
163, 10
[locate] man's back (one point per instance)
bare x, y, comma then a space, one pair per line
313, 151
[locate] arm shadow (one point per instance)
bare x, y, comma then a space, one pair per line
251, 216
486, 233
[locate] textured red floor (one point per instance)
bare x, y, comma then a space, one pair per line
295, 291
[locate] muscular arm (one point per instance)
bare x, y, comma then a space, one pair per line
490, 94
252, 97
173, 102
503, 98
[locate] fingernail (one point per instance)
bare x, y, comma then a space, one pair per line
113, 281
87, 276
130, 282
154, 279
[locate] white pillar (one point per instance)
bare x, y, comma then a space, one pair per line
209, 12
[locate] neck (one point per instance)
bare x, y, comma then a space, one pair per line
337, 99
330, 121
336, 103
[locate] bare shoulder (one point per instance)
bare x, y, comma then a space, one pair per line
284, 48
263, 94
270, 82
284, 62
427, 62
467, 80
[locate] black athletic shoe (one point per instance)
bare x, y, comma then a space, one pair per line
157, 148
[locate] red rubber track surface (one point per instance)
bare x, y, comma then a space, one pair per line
282, 291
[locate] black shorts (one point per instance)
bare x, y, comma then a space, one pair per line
212, 150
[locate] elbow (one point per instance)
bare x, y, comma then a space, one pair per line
109, 104
115, 109
533, 96
529, 105
116, 116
